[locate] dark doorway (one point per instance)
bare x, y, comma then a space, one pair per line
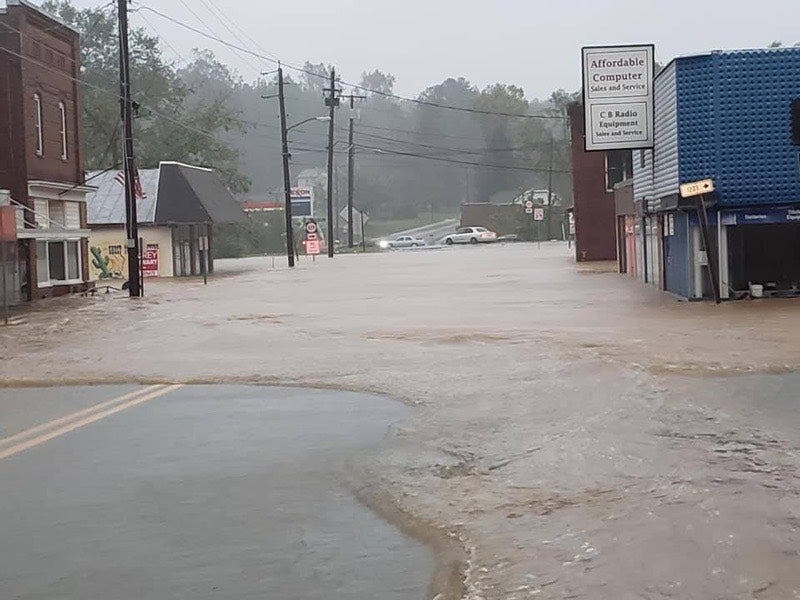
767, 254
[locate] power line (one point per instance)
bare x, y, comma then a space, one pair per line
456, 161
474, 151
117, 96
213, 33
244, 33
350, 85
178, 56
210, 4
421, 133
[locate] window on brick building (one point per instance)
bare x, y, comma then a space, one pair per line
37, 106
58, 262
62, 112
619, 167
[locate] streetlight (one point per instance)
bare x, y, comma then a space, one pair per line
324, 119
286, 176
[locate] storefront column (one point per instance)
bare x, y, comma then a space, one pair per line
724, 262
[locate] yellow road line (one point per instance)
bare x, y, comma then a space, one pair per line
76, 415
73, 425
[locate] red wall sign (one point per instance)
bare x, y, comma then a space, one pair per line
150, 261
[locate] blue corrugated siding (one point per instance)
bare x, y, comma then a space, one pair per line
677, 261
734, 124
665, 155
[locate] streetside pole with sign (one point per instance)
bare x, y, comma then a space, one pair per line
697, 189
618, 97
538, 216
528, 206
311, 242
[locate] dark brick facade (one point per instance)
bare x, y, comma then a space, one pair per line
39, 58
595, 220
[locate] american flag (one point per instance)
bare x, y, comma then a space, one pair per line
138, 189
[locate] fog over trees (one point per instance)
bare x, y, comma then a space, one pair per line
413, 156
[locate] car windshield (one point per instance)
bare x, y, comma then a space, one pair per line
248, 349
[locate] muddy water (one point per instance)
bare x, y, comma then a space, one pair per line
209, 492
554, 432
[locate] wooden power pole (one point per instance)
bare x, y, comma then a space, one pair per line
131, 219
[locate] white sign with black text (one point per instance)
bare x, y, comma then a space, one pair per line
618, 97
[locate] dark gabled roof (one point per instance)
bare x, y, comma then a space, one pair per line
216, 202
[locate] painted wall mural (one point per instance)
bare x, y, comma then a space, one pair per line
108, 262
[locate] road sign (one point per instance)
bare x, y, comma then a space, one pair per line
528, 207
697, 188
356, 216
311, 227
312, 247
538, 214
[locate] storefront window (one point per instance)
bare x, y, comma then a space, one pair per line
58, 271
73, 261
58, 262
42, 263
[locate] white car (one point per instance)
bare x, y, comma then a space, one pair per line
471, 235
404, 241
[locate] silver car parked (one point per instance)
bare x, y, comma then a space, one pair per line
471, 235
404, 241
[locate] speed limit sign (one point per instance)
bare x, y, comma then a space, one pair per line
311, 227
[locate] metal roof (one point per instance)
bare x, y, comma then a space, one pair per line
106, 206
174, 193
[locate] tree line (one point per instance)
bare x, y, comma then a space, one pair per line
413, 157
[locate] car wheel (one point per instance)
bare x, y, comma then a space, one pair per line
473, 240
449, 241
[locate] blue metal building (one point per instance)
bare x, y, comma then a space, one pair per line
725, 116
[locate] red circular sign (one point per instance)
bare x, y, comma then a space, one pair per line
311, 227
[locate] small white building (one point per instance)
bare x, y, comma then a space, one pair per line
177, 205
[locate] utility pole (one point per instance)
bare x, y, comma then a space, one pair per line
332, 101
287, 185
131, 219
351, 153
550, 190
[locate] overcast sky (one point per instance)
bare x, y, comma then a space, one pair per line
532, 43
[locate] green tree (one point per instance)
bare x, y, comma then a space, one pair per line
500, 132
377, 81
171, 123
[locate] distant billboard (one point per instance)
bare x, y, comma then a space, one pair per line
618, 97
302, 202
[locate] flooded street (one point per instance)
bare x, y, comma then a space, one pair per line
203, 492
571, 433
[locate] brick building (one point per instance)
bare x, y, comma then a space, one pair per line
594, 175
41, 167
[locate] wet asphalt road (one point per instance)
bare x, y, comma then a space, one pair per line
202, 492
